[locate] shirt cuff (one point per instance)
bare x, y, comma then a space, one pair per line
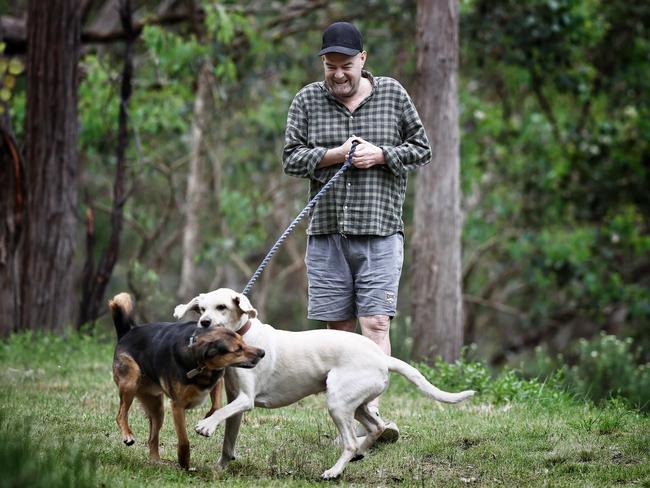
391, 158
315, 157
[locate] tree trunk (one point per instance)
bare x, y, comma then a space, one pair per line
196, 187
436, 290
12, 207
47, 294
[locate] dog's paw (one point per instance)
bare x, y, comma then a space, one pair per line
223, 462
206, 428
331, 474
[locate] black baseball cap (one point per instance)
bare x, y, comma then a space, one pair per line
342, 37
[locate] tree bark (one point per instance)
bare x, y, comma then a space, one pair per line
436, 290
12, 207
51, 133
196, 186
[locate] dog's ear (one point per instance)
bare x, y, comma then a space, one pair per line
192, 305
244, 305
214, 349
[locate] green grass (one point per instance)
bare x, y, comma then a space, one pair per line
57, 428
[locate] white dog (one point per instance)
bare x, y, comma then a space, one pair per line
350, 368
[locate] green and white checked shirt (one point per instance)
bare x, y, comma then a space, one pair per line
364, 201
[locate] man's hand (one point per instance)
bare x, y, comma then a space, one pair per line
337, 155
366, 155
347, 145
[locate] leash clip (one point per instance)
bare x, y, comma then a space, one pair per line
195, 372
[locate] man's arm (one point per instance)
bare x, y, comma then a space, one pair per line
298, 159
338, 155
415, 150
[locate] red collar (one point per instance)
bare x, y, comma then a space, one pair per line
246, 327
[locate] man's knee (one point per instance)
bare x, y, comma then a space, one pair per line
375, 325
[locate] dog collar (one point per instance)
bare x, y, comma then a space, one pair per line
199, 369
245, 328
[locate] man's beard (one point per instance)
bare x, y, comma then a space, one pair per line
345, 90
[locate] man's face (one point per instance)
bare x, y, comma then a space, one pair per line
343, 73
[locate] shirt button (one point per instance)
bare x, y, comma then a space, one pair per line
349, 185
345, 207
351, 117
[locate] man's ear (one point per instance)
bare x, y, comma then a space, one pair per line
244, 305
192, 305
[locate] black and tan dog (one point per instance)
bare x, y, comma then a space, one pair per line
174, 359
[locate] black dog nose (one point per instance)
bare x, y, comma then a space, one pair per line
206, 323
260, 353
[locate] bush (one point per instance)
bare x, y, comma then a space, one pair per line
608, 367
506, 386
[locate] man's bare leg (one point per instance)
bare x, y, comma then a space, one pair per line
344, 325
377, 328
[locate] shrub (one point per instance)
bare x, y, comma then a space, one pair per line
608, 367
506, 386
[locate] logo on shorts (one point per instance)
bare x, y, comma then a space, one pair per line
390, 296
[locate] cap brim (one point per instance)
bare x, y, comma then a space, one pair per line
339, 49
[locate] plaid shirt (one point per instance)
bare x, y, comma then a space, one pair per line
363, 201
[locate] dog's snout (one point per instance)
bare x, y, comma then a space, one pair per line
206, 323
260, 353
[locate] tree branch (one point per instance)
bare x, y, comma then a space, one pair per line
95, 287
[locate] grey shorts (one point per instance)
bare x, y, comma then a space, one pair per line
353, 276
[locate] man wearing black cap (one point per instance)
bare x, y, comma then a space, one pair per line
355, 244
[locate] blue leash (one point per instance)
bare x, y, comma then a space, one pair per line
310, 205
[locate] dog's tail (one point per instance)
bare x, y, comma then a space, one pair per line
415, 377
123, 313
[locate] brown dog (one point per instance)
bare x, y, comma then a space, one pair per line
177, 359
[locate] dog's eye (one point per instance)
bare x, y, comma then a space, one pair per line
201, 309
221, 307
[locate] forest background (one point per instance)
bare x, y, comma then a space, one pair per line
554, 173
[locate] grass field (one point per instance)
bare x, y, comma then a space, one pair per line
57, 428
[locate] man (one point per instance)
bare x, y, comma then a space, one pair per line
355, 244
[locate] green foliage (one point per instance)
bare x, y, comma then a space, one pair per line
608, 367
555, 163
174, 56
38, 349
605, 368
27, 461
12, 95
506, 386
98, 105
10, 69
